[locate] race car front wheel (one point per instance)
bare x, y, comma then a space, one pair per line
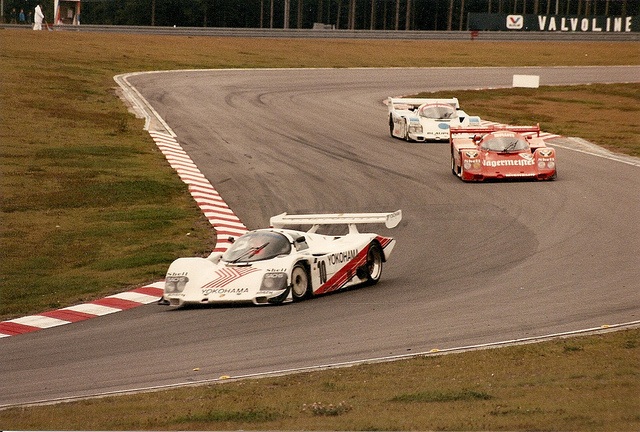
300, 282
453, 165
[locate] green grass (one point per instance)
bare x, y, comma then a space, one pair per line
90, 207
578, 384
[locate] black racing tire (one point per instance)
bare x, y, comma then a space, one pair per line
391, 126
300, 282
406, 130
375, 258
461, 170
453, 165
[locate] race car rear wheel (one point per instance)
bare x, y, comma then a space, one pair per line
374, 263
391, 126
300, 282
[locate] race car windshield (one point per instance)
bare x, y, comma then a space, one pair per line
504, 144
438, 112
257, 246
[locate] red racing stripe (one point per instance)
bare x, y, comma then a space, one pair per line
345, 274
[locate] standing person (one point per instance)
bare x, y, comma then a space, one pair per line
12, 16
37, 18
30, 18
21, 19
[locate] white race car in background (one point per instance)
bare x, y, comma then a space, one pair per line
418, 119
277, 265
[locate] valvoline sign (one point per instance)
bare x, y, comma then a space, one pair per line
554, 23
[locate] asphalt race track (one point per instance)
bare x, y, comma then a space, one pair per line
474, 264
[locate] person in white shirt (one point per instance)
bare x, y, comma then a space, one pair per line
39, 16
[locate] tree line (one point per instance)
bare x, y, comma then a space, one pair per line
341, 14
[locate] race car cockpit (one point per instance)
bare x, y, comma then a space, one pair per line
438, 111
504, 144
257, 246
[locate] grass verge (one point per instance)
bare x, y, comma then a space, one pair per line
583, 383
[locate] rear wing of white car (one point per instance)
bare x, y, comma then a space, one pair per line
406, 104
391, 220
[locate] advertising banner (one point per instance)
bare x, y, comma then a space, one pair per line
553, 23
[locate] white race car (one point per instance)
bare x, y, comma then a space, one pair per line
417, 119
277, 265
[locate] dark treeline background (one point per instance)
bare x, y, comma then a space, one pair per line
343, 14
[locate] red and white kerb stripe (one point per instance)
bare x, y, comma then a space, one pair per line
215, 209
105, 306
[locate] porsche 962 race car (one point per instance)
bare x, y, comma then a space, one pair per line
416, 119
501, 152
278, 265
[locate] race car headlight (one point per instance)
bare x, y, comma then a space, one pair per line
471, 161
415, 127
175, 284
546, 165
273, 282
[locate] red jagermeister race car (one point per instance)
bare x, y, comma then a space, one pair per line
501, 152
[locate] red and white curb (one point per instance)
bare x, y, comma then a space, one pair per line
215, 210
108, 305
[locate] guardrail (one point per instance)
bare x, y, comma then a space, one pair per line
350, 34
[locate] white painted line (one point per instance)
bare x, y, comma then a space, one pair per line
135, 297
283, 372
39, 321
93, 309
597, 151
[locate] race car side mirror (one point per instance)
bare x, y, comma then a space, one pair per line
301, 243
477, 138
215, 257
